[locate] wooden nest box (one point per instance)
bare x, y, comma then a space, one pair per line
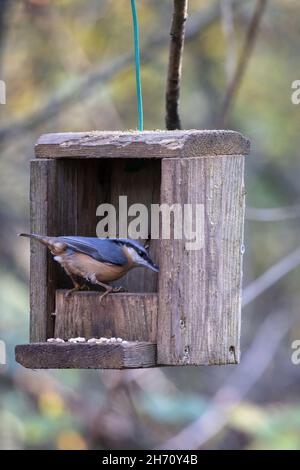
189, 313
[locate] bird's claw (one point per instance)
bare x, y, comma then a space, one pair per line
75, 289
104, 295
111, 290
119, 289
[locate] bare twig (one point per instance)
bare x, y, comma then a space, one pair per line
244, 57
80, 89
236, 387
175, 64
271, 276
276, 214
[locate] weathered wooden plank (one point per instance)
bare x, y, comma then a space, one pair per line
76, 201
86, 356
65, 191
87, 187
146, 144
63, 202
132, 317
199, 291
139, 181
42, 215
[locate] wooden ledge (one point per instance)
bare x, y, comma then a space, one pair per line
146, 144
86, 356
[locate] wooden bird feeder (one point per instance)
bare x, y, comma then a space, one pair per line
189, 313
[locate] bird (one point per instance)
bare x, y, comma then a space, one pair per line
96, 260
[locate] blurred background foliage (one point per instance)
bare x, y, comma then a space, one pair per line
68, 66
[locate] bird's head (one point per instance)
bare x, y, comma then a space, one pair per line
138, 254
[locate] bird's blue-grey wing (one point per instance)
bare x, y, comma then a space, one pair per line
101, 249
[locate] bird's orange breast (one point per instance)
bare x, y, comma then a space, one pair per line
87, 267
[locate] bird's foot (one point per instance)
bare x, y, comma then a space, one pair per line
85, 287
119, 289
105, 293
70, 292
75, 289
111, 290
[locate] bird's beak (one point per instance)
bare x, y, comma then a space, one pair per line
148, 264
154, 267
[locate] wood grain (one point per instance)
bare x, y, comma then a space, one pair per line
146, 144
63, 202
140, 181
86, 356
132, 317
42, 216
200, 290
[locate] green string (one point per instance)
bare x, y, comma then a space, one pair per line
137, 65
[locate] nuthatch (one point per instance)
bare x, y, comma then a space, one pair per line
97, 260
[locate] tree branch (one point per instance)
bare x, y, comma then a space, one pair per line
271, 276
175, 64
244, 57
274, 214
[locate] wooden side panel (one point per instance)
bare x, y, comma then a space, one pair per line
86, 356
199, 290
42, 221
63, 202
132, 317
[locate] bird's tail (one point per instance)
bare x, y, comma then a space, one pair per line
41, 238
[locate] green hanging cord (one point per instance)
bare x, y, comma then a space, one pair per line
137, 64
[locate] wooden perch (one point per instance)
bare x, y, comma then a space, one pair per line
175, 64
86, 356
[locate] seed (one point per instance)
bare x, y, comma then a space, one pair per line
80, 340
103, 340
92, 340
